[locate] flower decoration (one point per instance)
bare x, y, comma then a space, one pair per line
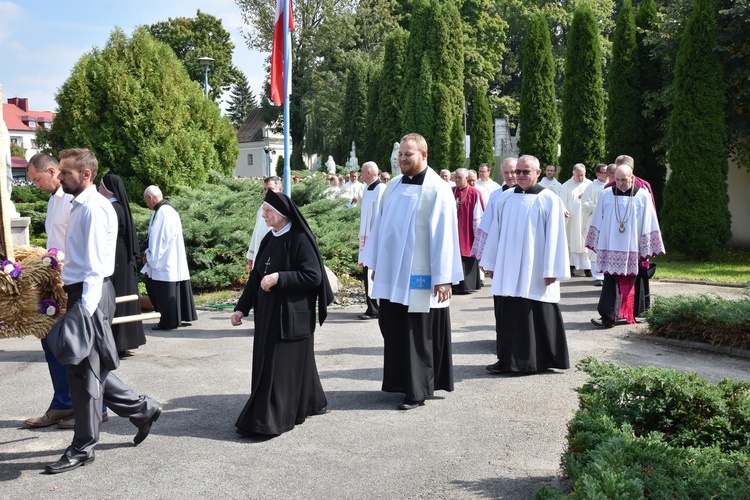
49, 307
57, 254
12, 269
50, 261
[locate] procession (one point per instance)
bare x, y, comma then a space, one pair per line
417, 214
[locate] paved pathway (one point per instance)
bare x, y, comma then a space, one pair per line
494, 437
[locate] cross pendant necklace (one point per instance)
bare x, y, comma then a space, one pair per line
268, 263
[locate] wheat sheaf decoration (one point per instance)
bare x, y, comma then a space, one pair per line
32, 298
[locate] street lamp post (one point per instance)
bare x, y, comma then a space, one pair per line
269, 151
206, 61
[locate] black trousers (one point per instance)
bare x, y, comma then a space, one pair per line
372, 304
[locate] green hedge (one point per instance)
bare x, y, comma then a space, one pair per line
218, 220
703, 318
657, 433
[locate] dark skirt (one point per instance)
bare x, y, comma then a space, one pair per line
418, 355
286, 386
610, 300
472, 279
173, 300
532, 338
127, 335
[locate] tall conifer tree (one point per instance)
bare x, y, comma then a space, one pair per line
624, 129
371, 135
355, 105
695, 218
482, 131
241, 101
652, 166
419, 42
539, 130
391, 94
582, 138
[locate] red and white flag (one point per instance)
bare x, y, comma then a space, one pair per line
278, 64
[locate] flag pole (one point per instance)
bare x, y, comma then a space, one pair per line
287, 87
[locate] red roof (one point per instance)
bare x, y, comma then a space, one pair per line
18, 119
18, 162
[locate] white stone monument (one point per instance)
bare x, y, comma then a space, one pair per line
395, 168
331, 165
353, 162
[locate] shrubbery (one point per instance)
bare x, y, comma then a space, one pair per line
28, 194
657, 433
705, 318
218, 220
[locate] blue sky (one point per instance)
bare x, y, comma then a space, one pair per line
41, 40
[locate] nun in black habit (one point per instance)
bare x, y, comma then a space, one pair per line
125, 279
286, 282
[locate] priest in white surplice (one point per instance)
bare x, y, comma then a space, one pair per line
370, 207
571, 193
414, 253
550, 181
272, 183
624, 233
588, 203
526, 253
166, 268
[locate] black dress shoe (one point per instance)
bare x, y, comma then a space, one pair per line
145, 429
496, 368
367, 316
66, 463
185, 323
587, 272
409, 404
602, 323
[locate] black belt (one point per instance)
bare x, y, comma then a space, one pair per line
76, 287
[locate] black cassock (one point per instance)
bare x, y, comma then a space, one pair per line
286, 386
127, 335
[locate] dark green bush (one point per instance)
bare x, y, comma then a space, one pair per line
218, 220
28, 194
657, 433
705, 318
37, 211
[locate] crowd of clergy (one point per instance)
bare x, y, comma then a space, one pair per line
423, 237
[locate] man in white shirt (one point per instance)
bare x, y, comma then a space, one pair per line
550, 181
90, 243
472, 178
485, 180
353, 189
571, 193
166, 268
370, 207
43, 170
414, 254
588, 202
261, 228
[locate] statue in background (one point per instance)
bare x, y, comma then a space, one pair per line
353, 162
395, 168
331, 165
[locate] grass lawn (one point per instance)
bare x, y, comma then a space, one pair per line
725, 266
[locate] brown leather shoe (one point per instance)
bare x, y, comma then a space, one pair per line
50, 417
69, 423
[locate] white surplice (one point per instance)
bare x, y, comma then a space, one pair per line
413, 245
525, 244
620, 253
166, 257
259, 231
571, 193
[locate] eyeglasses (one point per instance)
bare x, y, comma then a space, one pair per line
522, 172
